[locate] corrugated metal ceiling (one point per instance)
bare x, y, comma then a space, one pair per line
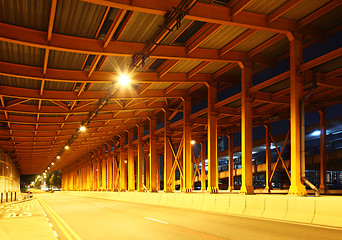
66, 60
77, 18
222, 37
185, 66
19, 82
264, 6
255, 40
141, 28
213, 67
26, 13
303, 9
20, 54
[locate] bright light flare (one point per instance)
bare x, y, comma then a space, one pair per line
52, 163
124, 80
316, 133
82, 128
58, 157
66, 147
192, 142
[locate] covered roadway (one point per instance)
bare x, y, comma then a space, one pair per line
116, 94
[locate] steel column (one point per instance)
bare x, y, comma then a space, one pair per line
187, 157
296, 92
323, 150
104, 169
168, 156
153, 155
140, 164
131, 174
246, 129
203, 174
268, 158
212, 139
230, 163
123, 165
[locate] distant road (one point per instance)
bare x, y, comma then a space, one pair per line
90, 218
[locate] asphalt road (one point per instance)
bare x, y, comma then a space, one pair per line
92, 218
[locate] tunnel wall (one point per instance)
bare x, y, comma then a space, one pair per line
9, 179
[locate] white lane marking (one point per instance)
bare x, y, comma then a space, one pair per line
55, 233
156, 220
99, 206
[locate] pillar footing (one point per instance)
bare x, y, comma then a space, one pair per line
187, 190
212, 190
297, 190
247, 190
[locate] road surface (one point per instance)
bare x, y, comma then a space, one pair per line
92, 218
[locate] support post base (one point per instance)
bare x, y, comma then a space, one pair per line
248, 190
212, 189
297, 190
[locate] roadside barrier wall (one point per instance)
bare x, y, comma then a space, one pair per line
326, 210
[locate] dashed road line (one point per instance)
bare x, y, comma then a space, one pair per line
152, 219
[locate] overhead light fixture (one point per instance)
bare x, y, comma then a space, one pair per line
58, 157
48, 167
82, 128
124, 80
192, 142
52, 163
125, 161
66, 147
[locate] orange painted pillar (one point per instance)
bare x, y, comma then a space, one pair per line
153, 155
268, 159
168, 156
147, 171
230, 163
246, 130
115, 168
187, 158
123, 164
158, 172
98, 167
212, 139
104, 169
323, 150
131, 174
296, 92
203, 173
140, 163
109, 168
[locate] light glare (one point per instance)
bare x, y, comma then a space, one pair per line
192, 142
66, 147
124, 79
316, 133
82, 128
58, 157
52, 163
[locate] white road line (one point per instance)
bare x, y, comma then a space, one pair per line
99, 206
156, 220
55, 233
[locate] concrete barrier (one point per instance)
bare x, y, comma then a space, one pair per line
328, 211
163, 199
300, 209
187, 201
275, 207
237, 204
222, 202
197, 201
209, 202
255, 206
170, 200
